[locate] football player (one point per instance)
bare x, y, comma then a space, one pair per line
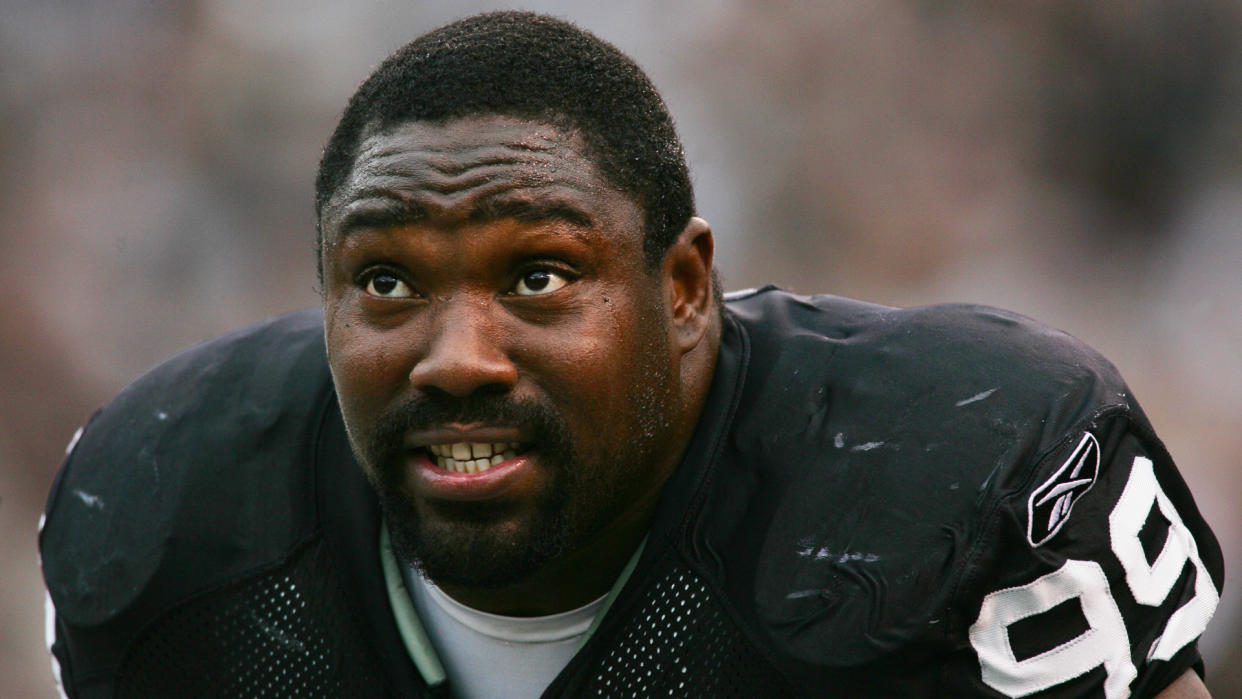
526, 447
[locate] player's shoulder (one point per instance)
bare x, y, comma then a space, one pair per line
936, 469
930, 344
916, 378
197, 457
209, 398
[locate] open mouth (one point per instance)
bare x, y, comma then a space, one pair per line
473, 457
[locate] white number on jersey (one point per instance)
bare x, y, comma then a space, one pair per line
1151, 584
1106, 641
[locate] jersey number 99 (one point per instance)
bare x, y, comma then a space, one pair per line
1106, 641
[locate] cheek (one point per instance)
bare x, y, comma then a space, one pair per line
368, 366
582, 351
593, 368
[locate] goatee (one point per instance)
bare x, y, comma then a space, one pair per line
471, 544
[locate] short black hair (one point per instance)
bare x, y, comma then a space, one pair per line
538, 68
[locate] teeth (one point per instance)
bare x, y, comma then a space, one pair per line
472, 457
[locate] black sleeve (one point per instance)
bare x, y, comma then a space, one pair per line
1103, 573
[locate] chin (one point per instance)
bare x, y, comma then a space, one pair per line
473, 546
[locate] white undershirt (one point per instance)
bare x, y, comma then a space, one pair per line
488, 655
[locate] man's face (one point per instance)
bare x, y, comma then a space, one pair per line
501, 351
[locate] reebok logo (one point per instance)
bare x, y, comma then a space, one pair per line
1050, 504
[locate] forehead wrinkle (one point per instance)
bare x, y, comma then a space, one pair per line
406, 170
455, 155
484, 181
456, 162
412, 175
415, 151
518, 136
380, 207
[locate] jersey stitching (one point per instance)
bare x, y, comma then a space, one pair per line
1077, 640
1088, 438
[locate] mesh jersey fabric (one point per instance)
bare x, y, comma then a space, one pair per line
274, 635
855, 515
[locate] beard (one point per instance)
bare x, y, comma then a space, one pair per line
471, 543
492, 544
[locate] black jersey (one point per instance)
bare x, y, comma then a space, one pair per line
950, 501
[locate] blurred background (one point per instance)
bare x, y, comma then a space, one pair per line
1077, 162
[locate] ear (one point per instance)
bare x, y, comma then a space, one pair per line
688, 283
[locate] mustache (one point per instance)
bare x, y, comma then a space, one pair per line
538, 421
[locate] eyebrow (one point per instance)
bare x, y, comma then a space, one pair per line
394, 213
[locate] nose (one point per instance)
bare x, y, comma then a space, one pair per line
465, 352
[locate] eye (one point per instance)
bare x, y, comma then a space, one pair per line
539, 281
388, 286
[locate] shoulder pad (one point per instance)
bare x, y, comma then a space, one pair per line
875, 441
190, 474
